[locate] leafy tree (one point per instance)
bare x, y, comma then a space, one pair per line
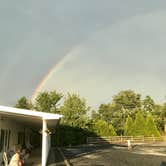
124, 104
105, 112
127, 99
139, 127
102, 128
158, 116
151, 129
112, 130
95, 115
75, 111
148, 104
47, 101
128, 128
23, 103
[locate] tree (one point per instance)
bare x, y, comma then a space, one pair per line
128, 128
23, 103
105, 112
112, 130
158, 116
124, 104
47, 101
148, 104
102, 128
75, 111
139, 127
151, 129
95, 115
127, 99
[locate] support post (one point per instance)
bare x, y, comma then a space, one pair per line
44, 143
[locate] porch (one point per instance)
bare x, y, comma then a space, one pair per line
28, 121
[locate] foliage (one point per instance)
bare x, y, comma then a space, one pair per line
128, 128
23, 103
124, 104
70, 135
47, 101
139, 127
95, 115
102, 128
75, 111
105, 112
148, 104
158, 116
127, 114
127, 99
151, 129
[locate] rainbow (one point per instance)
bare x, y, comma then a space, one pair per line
58, 66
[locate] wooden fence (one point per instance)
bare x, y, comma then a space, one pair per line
123, 139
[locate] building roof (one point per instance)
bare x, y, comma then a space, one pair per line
29, 117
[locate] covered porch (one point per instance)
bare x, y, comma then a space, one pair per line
28, 121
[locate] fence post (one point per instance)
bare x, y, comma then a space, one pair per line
129, 144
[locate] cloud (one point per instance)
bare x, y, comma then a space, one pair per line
35, 35
127, 55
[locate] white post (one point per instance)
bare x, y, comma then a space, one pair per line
129, 145
44, 143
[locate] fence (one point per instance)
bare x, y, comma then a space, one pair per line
123, 139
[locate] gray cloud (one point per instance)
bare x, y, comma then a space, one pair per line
37, 34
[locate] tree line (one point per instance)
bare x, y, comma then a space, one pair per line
126, 114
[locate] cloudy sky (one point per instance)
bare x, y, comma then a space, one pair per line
98, 48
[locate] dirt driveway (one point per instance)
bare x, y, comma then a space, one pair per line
116, 155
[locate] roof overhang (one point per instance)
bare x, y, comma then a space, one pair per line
29, 118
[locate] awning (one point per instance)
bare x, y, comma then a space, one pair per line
29, 117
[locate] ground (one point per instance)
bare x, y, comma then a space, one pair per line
116, 155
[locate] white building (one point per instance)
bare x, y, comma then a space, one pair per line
17, 126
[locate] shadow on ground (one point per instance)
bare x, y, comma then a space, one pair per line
55, 158
115, 155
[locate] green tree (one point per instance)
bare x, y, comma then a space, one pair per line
148, 104
127, 99
124, 104
128, 128
95, 115
47, 101
151, 129
105, 112
158, 116
75, 111
23, 103
139, 127
102, 128
112, 130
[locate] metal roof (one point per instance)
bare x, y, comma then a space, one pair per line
29, 117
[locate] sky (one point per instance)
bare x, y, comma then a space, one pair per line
94, 48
